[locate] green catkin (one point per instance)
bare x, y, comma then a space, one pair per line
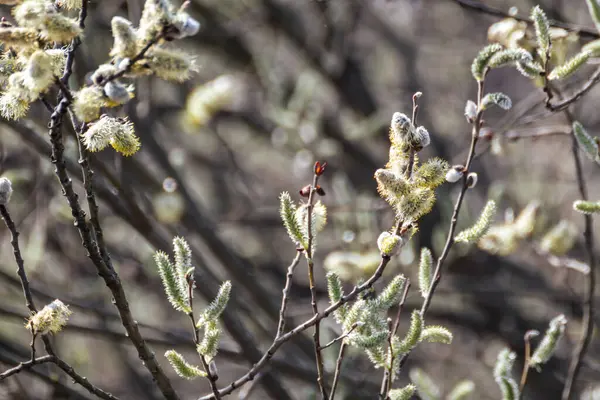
462, 390
499, 99
216, 308
480, 63
570, 66
542, 32
482, 225
436, 334
425, 264
547, 346
287, 210
587, 207
426, 386
406, 393
182, 367
586, 142
170, 279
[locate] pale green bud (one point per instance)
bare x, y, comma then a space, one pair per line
88, 103
389, 244
170, 64
432, 173
587, 207
38, 74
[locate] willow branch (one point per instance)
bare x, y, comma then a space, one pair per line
437, 275
286, 293
277, 343
313, 290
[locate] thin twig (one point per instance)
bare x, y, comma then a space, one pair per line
277, 343
479, 6
31, 306
590, 284
588, 85
338, 370
211, 378
103, 266
387, 375
527, 339
25, 366
286, 293
313, 289
341, 337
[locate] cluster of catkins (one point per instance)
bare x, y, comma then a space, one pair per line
177, 276
404, 183
33, 61
160, 23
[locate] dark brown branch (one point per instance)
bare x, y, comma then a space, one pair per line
587, 86
590, 283
590, 277
103, 265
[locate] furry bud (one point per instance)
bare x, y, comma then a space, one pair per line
5, 191
117, 92
51, 319
455, 173
471, 180
389, 244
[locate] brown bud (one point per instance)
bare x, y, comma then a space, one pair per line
320, 168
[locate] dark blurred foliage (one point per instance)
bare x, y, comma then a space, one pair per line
311, 80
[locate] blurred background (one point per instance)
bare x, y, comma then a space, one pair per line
281, 84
